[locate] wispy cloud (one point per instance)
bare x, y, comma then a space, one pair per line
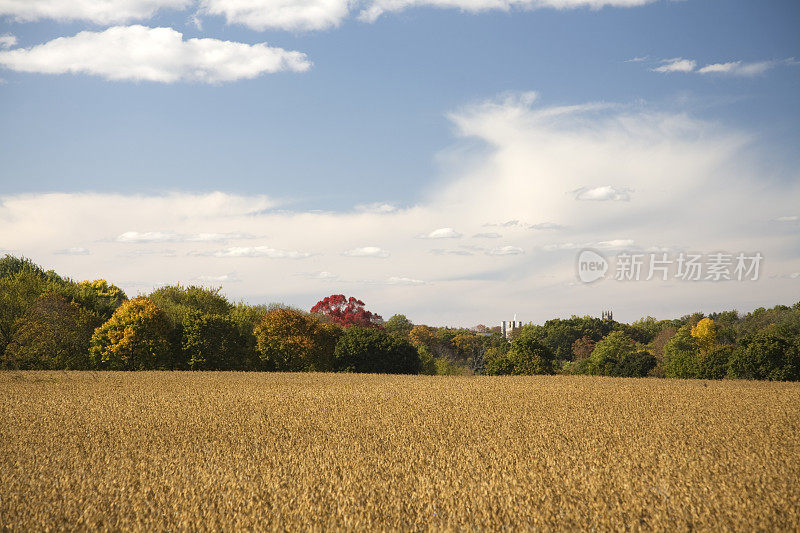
7, 41
367, 251
677, 64
738, 68
137, 237
401, 280
99, 12
487, 235
256, 251
506, 250
152, 54
77, 250
225, 278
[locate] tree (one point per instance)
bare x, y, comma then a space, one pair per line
53, 334
289, 340
705, 334
211, 342
528, 355
18, 292
178, 301
136, 337
346, 312
610, 352
582, 348
714, 364
766, 355
681, 355
246, 318
398, 326
362, 349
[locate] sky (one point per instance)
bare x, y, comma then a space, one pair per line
444, 159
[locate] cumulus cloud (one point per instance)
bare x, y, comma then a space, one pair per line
441, 233
99, 12
367, 251
280, 14
159, 55
604, 193
523, 164
677, 64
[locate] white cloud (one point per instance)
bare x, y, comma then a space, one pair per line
792, 218
76, 250
395, 280
280, 14
171, 236
677, 64
546, 226
523, 161
506, 250
376, 8
97, 11
487, 235
7, 41
604, 193
152, 54
225, 278
738, 68
637, 59
441, 233
376, 207
367, 251
256, 251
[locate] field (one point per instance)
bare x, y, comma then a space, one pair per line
242, 451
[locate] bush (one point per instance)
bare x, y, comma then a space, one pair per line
371, 350
136, 337
53, 334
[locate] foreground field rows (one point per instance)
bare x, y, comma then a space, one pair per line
187, 451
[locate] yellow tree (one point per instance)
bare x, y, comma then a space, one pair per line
295, 341
705, 334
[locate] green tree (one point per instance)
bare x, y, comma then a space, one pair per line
212, 342
136, 337
714, 364
527, 355
53, 334
681, 355
766, 355
398, 326
18, 292
371, 350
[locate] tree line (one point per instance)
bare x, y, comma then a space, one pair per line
51, 322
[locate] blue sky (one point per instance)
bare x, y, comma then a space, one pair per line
407, 111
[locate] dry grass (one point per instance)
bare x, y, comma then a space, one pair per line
207, 451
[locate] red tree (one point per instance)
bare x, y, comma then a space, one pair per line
347, 311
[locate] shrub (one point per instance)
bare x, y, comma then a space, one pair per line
136, 337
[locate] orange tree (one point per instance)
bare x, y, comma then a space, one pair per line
136, 337
293, 341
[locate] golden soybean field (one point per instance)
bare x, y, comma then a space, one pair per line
156, 451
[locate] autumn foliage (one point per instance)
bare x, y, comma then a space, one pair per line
346, 311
